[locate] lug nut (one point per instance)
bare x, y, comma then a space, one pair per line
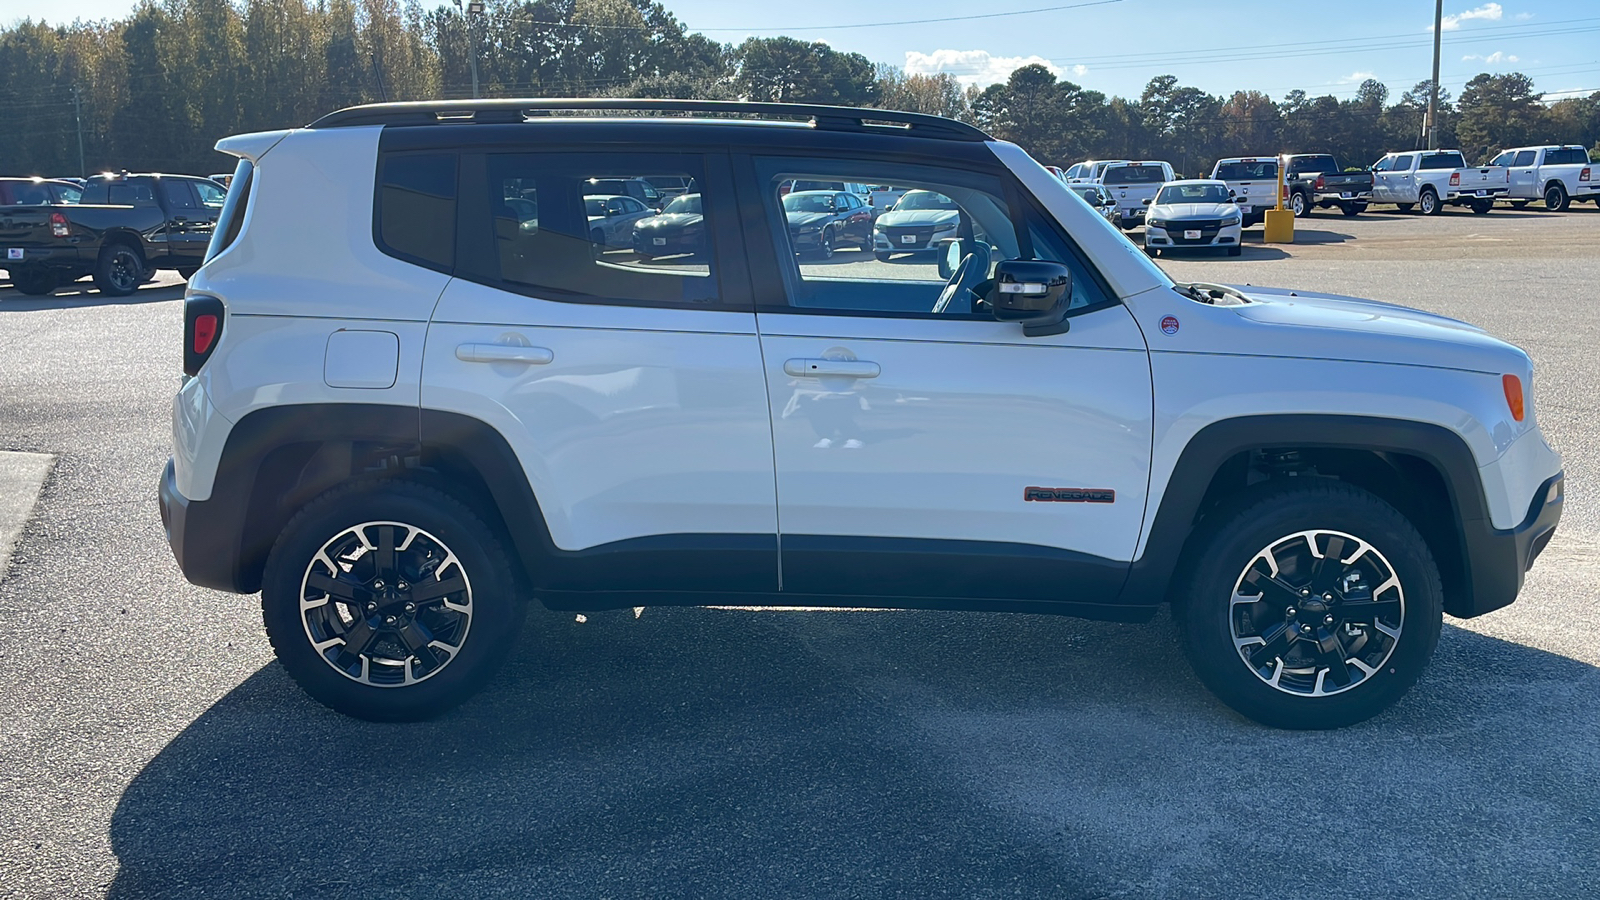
1305, 629
1327, 620
1290, 612
1324, 596
401, 586
378, 585
372, 606
412, 607
1305, 592
389, 620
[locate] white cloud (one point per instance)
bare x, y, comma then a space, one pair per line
1569, 93
1489, 12
1523, 17
979, 67
1492, 59
1356, 77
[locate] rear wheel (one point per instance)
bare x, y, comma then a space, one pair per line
1299, 204
1352, 209
825, 247
119, 271
1483, 209
1429, 203
35, 280
1309, 605
881, 256
390, 601
1555, 198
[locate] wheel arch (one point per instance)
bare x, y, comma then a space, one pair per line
1425, 471
127, 236
282, 457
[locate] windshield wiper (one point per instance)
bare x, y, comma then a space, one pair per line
1214, 294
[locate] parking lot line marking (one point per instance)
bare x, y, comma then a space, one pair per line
22, 476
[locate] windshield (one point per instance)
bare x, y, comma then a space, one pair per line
1193, 193
808, 201
688, 203
1135, 175
925, 200
1251, 170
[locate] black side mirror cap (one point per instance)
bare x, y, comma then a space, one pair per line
1034, 292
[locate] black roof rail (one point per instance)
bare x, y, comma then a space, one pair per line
827, 118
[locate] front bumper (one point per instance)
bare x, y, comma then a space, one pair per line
1499, 559
202, 541
1172, 235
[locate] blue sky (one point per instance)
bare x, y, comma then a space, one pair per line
1115, 46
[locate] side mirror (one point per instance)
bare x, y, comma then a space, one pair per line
1034, 292
1240, 199
1232, 192
1145, 201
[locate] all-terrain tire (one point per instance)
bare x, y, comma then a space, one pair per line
462, 652
119, 271
1223, 566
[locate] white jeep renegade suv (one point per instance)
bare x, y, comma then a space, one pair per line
439, 397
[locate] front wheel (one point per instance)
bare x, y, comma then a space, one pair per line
1352, 209
1555, 198
825, 249
1483, 209
1297, 203
1309, 606
1404, 207
880, 256
389, 601
119, 271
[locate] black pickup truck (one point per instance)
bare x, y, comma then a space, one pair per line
1317, 180
123, 229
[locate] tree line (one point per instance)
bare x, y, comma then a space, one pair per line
155, 90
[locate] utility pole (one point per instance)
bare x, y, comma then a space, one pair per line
77, 113
1432, 123
473, 10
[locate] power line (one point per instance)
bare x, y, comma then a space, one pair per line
992, 15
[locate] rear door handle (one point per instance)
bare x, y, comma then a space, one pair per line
844, 368
511, 353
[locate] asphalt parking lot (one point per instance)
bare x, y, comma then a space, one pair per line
152, 748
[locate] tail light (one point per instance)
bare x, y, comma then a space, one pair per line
202, 331
1584, 175
59, 227
1283, 192
1514, 396
1320, 184
1455, 179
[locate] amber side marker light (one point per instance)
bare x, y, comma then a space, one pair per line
1513, 386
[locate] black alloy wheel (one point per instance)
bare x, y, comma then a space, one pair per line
1556, 199
825, 249
1309, 605
35, 281
390, 601
119, 271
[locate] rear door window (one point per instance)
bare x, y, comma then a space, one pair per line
561, 226
1526, 158
177, 196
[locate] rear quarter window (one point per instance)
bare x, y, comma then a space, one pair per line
416, 216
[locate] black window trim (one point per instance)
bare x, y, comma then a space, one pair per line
476, 255
767, 276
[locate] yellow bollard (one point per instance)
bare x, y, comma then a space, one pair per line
1279, 227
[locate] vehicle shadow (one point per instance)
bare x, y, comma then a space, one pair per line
83, 293
726, 753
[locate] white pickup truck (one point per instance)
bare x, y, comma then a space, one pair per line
1556, 175
1432, 179
1134, 186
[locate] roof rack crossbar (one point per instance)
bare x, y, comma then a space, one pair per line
827, 118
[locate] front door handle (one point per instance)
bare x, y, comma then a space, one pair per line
842, 368
504, 353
